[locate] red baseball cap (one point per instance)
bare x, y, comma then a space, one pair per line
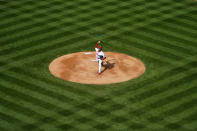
100, 47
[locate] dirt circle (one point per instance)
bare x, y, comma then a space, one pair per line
81, 67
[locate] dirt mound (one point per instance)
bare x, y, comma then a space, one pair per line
81, 67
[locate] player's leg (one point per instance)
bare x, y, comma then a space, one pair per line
100, 65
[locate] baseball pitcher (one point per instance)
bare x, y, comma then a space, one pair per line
99, 56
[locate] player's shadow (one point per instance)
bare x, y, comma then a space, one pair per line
107, 66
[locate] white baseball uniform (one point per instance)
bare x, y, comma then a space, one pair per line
99, 57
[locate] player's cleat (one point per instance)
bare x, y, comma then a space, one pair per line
99, 73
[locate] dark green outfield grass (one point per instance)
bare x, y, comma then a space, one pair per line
161, 33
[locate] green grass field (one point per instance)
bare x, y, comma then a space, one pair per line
161, 33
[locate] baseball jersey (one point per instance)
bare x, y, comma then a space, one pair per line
99, 55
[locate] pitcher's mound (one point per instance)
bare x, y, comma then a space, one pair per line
81, 67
